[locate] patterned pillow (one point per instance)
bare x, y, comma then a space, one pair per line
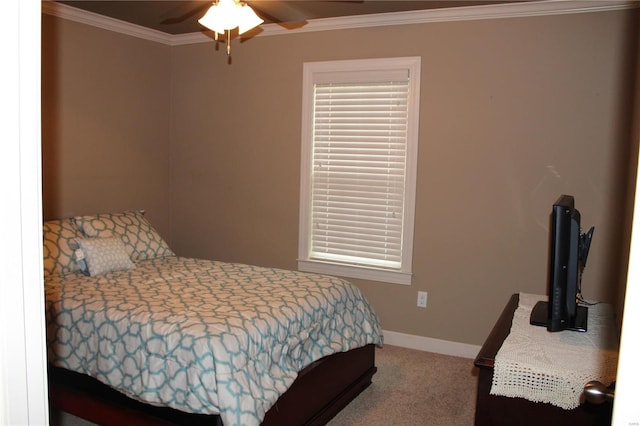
58, 246
104, 255
140, 239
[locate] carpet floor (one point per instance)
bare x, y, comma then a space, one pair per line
415, 388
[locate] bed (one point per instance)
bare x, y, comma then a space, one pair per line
135, 332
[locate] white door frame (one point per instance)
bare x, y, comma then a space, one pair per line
23, 380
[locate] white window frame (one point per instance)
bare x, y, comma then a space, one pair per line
356, 71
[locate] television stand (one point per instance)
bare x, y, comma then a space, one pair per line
496, 410
539, 316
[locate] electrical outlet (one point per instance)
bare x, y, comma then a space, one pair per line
422, 299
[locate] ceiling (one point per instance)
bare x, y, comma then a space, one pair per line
180, 17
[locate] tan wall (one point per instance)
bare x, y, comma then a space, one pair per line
514, 112
105, 122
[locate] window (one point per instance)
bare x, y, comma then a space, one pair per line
358, 177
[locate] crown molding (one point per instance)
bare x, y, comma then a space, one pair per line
100, 21
468, 13
498, 11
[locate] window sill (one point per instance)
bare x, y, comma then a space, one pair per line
372, 274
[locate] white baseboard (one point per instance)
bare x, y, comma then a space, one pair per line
429, 344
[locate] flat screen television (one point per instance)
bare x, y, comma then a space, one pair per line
568, 251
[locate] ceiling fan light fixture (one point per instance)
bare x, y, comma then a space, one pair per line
248, 19
226, 15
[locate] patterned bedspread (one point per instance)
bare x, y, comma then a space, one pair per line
203, 336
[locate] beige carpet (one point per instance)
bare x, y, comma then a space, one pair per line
415, 388
410, 388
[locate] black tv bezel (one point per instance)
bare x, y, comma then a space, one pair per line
566, 261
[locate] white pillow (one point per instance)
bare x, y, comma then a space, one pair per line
141, 240
104, 255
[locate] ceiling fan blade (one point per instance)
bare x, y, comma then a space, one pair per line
185, 11
277, 11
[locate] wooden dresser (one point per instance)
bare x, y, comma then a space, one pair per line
500, 410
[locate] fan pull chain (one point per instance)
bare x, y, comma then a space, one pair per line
228, 42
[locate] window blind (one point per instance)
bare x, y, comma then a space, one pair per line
358, 172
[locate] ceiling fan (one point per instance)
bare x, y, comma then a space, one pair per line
228, 17
279, 12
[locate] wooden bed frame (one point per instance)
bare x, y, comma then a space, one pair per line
321, 390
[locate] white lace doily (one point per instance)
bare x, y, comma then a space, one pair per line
553, 367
